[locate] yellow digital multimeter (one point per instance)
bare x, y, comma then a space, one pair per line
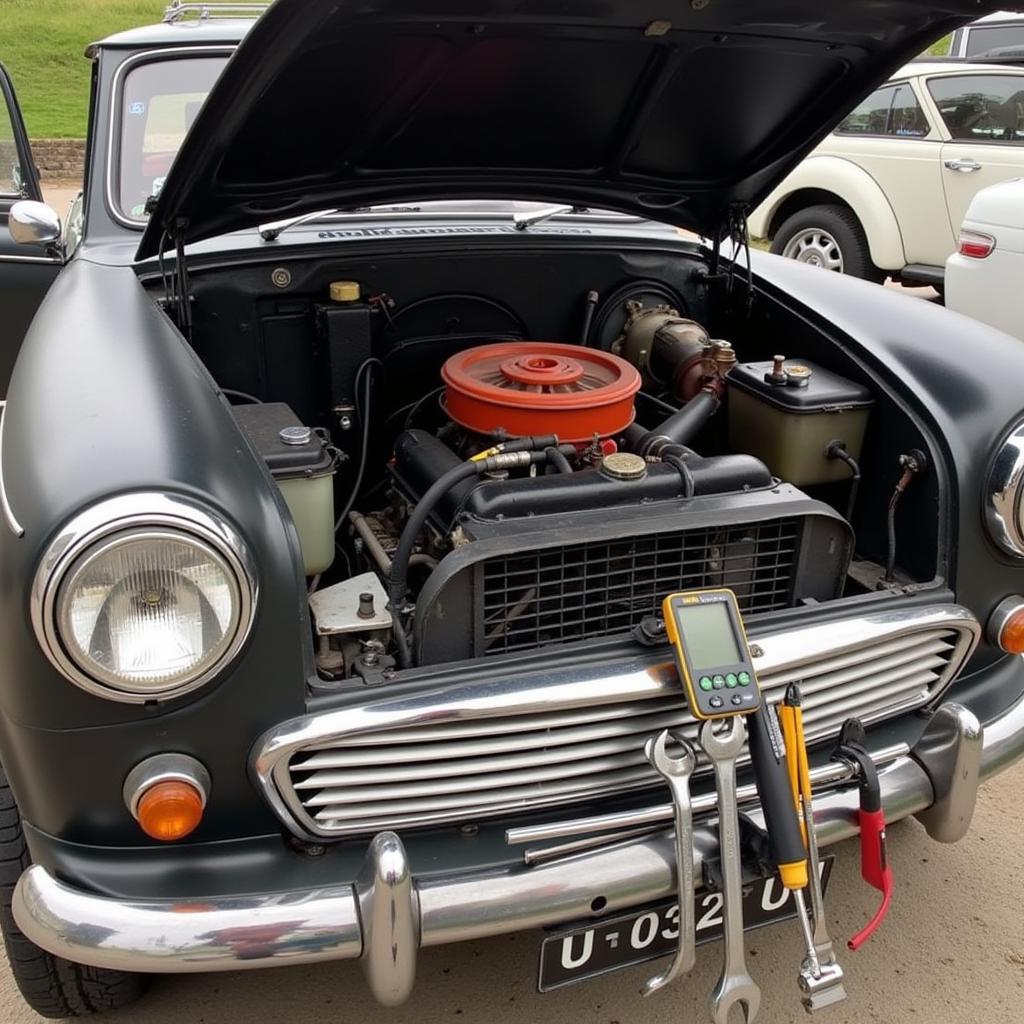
706, 629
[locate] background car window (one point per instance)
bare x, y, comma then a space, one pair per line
159, 102
10, 168
870, 116
981, 108
981, 38
892, 110
906, 118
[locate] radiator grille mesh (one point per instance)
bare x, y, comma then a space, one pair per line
581, 591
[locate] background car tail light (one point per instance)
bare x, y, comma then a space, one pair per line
975, 244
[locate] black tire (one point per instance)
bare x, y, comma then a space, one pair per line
53, 987
835, 224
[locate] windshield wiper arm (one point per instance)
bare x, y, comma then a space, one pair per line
272, 231
525, 220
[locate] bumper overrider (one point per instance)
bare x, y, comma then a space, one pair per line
386, 915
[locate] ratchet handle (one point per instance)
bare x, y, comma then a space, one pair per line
771, 776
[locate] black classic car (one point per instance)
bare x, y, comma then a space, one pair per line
404, 357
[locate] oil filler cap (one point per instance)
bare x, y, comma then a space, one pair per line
624, 466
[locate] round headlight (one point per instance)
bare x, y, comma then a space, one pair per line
143, 606
1004, 508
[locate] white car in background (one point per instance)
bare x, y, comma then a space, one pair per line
985, 276
1003, 30
886, 192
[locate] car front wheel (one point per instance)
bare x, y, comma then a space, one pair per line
53, 987
830, 237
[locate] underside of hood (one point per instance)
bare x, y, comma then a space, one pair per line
678, 110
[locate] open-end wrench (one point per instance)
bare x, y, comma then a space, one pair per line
676, 771
735, 985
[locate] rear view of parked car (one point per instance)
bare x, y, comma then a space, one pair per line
885, 193
984, 276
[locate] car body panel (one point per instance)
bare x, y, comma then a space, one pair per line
989, 289
26, 272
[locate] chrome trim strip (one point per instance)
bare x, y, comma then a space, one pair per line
164, 768
822, 775
113, 136
545, 691
31, 259
5, 503
305, 926
118, 515
1003, 493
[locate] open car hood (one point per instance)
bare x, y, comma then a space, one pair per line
678, 110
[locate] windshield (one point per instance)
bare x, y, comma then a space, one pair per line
158, 103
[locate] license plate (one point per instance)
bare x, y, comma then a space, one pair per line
578, 953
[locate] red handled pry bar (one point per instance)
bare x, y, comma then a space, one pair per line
874, 865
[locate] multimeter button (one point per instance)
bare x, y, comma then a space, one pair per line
705, 683
737, 699
730, 680
744, 678
719, 682
716, 701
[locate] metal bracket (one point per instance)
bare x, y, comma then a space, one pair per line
390, 918
950, 752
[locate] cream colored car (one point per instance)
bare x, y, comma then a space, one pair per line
885, 193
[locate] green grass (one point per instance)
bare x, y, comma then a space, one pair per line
42, 45
941, 47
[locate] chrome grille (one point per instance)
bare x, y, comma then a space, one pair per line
473, 750
580, 591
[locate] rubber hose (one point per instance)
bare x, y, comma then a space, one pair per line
558, 460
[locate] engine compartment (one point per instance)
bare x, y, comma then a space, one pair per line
491, 492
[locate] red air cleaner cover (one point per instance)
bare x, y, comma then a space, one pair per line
537, 387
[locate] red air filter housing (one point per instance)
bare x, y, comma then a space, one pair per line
538, 387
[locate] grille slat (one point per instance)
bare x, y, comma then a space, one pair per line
583, 591
473, 767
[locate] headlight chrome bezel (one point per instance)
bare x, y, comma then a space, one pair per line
1004, 493
128, 515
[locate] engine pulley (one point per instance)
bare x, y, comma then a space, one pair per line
533, 387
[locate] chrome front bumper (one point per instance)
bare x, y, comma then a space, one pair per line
388, 915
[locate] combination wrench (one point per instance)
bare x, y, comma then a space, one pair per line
735, 985
676, 771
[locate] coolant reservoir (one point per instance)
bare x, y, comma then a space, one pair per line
787, 411
303, 466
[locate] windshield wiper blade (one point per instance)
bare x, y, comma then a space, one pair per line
527, 219
272, 231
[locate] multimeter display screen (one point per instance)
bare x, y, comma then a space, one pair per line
708, 636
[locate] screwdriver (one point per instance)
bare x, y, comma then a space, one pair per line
785, 841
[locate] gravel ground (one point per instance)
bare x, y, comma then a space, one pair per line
952, 950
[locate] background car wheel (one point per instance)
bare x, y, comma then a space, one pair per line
829, 237
51, 986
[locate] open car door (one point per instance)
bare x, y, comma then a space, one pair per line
26, 271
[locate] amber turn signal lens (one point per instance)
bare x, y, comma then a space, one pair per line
170, 810
1011, 636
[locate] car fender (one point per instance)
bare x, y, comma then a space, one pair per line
852, 186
